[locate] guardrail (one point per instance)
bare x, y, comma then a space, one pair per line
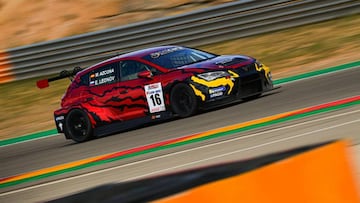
228, 21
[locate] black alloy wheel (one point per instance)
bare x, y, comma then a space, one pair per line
183, 100
78, 126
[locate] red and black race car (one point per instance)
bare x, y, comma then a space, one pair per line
153, 84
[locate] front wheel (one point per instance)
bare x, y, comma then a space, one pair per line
78, 126
183, 101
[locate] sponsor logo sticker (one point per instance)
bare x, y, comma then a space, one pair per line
217, 94
102, 77
164, 52
217, 89
155, 97
104, 72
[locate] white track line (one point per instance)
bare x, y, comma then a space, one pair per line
200, 147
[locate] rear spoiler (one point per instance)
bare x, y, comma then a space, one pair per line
63, 74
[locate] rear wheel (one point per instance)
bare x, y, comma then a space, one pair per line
78, 126
183, 100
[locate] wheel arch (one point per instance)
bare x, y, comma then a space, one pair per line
78, 107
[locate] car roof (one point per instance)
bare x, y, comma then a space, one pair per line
134, 54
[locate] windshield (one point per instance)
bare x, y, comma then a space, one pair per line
175, 57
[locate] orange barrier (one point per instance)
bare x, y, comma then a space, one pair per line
323, 174
6, 74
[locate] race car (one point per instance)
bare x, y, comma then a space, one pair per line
153, 84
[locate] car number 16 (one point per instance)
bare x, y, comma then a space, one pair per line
155, 97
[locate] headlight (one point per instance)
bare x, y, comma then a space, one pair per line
213, 75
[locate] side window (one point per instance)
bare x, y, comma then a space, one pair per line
104, 75
85, 79
129, 69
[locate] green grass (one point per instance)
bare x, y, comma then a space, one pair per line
26, 109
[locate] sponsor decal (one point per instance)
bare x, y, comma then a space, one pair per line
155, 97
104, 80
217, 94
102, 77
104, 72
164, 52
153, 86
216, 90
157, 91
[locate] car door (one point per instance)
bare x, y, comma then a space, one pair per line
101, 96
142, 95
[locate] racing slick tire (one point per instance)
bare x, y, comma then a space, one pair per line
183, 100
78, 126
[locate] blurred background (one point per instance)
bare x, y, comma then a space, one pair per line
30, 21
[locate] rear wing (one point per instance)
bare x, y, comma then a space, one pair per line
63, 74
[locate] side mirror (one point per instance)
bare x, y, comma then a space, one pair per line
145, 74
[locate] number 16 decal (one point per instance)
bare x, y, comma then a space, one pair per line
155, 97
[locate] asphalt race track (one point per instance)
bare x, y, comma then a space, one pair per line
344, 123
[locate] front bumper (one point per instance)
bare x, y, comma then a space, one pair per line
242, 82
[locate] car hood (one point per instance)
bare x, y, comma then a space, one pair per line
225, 61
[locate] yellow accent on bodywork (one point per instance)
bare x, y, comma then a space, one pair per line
217, 82
265, 68
198, 92
267, 71
233, 74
